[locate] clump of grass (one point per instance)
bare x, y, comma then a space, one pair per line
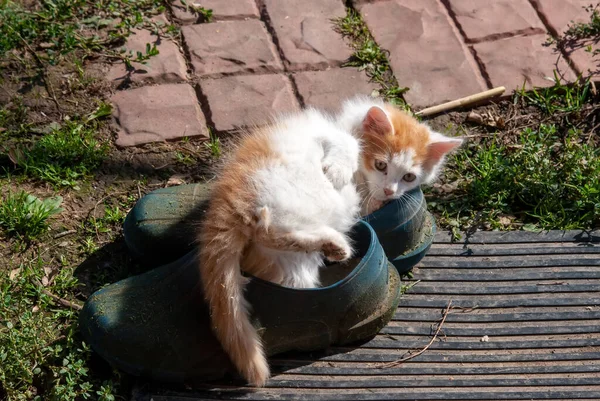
24, 216
214, 145
543, 181
559, 98
66, 154
368, 56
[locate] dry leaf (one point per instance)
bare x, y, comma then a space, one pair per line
14, 273
45, 281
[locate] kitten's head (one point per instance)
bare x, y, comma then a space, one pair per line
399, 153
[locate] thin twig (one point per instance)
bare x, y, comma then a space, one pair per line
58, 299
435, 335
64, 233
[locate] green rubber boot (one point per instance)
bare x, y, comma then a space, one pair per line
162, 226
157, 324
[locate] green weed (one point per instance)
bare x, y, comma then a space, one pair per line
584, 30
184, 158
559, 98
24, 216
214, 145
205, 14
368, 56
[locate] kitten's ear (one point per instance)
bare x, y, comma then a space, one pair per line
440, 145
377, 121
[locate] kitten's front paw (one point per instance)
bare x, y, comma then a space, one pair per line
337, 173
337, 251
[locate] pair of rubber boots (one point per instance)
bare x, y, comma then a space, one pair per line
157, 324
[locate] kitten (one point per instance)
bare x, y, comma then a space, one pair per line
398, 153
284, 200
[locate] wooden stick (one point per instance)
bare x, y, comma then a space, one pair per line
461, 102
437, 332
58, 299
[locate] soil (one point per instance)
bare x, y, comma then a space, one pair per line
124, 176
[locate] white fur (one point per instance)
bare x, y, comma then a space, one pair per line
304, 199
354, 111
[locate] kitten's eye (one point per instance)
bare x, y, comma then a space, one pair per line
381, 166
409, 177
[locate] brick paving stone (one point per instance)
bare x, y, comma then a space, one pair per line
166, 67
305, 32
559, 14
243, 101
157, 113
327, 89
488, 19
229, 47
511, 62
425, 52
222, 9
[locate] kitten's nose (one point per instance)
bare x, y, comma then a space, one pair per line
388, 192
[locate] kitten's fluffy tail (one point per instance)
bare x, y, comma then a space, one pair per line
222, 247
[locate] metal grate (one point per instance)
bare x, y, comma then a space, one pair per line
535, 296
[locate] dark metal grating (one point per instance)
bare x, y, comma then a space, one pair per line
536, 297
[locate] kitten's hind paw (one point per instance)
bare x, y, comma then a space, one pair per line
337, 251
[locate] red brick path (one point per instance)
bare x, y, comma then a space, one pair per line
266, 56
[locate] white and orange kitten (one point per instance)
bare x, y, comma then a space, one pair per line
283, 200
398, 153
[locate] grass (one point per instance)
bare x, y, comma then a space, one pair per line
65, 26
559, 98
54, 135
214, 145
67, 153
368, 56
42, 357
25, 216
205, 14
543, 176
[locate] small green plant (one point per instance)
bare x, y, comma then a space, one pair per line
559, 98
368, 56
140, 57
184, 158
584, 30
113, 215
214, 145
25, 216
205, 14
